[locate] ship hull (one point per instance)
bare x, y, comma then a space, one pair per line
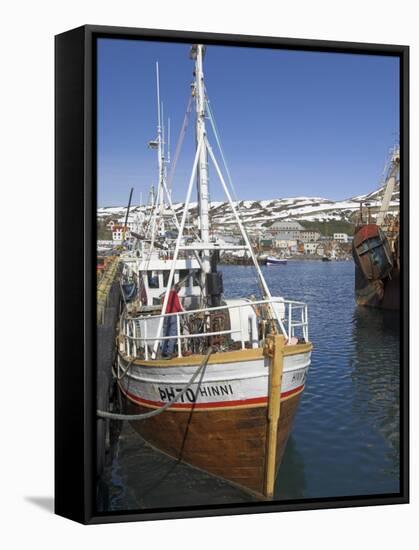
225, 435
384, 293
377, 275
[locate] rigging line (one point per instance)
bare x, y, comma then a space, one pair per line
217, 139
230, 180
179, 144
152, 226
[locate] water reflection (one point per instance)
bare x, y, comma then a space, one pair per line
345, 439
291, 481
376, 377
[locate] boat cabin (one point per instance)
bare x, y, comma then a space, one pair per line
152, 281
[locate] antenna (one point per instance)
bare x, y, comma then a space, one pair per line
158, 95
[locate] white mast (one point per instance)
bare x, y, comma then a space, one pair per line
158, 144
160, 148
159, 128
200, 168
197, 53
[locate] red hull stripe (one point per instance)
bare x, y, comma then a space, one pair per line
213, 405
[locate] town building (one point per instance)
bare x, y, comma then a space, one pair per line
310, 248
131, 223
286, 245
340, 237
286, 229
309, 236
266, 244
118, 233
320, 250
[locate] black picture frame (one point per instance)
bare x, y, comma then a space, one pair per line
75, 256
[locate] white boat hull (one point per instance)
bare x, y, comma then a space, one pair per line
231, 384
275, 261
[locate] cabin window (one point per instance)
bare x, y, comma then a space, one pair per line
184, 277
153, 279
166, 278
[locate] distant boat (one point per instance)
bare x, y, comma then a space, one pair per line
270, 260
326, 259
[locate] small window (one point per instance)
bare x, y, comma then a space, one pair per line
153, 279
184, 277
166, 274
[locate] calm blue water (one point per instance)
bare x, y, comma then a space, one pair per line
345, 439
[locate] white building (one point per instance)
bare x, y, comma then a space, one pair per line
286, 229
287, 225
286, 244
118, 233
320, 250
310, 248
131, 223
309, 236
340, 237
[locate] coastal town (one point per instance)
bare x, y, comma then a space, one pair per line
284, 238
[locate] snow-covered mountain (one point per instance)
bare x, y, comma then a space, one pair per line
261, 213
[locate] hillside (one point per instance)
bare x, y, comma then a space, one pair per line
312, 212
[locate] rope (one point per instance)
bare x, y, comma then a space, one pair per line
144, 416
124, 372
179, 144
217, 139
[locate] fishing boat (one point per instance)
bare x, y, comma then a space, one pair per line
224, 401
272, 260
376, 250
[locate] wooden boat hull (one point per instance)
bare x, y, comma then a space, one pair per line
225, 435
230, 446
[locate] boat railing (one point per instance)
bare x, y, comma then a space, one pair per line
138, 335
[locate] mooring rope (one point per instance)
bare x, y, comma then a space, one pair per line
144, 416
124, 372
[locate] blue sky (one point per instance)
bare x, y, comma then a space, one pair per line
291, 123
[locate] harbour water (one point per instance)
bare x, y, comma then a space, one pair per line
345, 440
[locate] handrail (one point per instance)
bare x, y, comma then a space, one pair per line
217, 308
183, 336
131, 339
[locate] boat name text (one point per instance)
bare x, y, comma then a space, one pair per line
190, 396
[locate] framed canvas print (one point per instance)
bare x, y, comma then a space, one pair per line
231, 274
